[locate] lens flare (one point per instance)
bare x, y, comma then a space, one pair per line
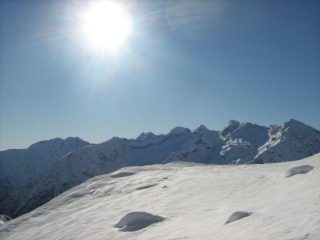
105, 25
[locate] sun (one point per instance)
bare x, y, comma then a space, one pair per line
105, 25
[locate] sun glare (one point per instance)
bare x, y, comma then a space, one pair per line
105, 25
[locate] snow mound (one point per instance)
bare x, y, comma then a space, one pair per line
237, 216
134, 221
298, 170
122, 174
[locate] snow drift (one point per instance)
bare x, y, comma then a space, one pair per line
298, 170
134, 221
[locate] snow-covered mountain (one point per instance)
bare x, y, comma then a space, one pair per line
293, 140
33, 176
21, 170
183, 201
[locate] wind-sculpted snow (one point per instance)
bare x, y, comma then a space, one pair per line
237, 215
31, 177
298, 170
146, 186
121, 174
134, 221
190, 201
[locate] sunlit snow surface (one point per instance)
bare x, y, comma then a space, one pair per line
194, 200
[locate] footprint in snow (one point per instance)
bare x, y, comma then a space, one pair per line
134, 221
298, 170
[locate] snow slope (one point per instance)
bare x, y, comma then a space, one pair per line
21, 170
46, 171
183, 201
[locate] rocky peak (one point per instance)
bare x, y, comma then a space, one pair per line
145, 136
232, 125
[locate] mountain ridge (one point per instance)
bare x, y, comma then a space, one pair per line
26, 186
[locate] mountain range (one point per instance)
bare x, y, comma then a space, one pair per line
31, 177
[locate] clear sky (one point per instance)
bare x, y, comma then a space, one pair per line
187, 63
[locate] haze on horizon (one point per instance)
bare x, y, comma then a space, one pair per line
184, 63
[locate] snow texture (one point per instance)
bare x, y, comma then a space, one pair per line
146, 186
196, 200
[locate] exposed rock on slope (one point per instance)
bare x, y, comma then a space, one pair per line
242, 142
4, 219
294, 140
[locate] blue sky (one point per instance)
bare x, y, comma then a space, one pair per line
187, 63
